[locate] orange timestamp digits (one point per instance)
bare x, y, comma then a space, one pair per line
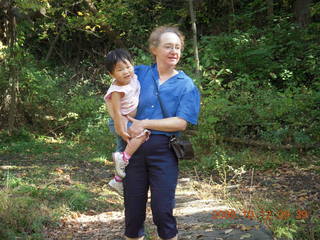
265, 215
223, 214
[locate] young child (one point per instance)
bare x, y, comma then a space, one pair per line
122, 99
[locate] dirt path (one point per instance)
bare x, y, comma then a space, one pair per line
194, 216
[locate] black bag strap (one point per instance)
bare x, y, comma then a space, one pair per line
164, 112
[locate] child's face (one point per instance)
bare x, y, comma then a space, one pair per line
123, 72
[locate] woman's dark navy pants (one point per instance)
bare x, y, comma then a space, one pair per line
153, 166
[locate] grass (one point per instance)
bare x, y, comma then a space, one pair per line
42, 179
216, 173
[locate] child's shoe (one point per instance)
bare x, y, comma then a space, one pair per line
120, 164
117, 186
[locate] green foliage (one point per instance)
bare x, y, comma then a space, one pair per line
77, 199
222, 162
64, 176
4, 75
21, 216
50, 103
260, 81
98, 25
141, 57
265, 114
282, 56
21, 135
293, 228
261, 85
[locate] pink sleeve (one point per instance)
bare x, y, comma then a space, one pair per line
112, 89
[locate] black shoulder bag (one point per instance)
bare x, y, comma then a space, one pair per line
181, 146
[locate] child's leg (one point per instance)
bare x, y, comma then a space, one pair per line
121, 159
120, 143
116, 184
134, 144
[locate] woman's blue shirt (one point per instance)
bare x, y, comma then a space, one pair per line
179, 95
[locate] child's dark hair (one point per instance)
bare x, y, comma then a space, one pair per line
116, 55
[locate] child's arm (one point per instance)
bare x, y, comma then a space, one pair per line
117, 117
109, 109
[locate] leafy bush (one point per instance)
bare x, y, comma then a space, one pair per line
287, 118
281, 55
261, 84
50, 102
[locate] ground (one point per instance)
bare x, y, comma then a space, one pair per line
75, 178
194, 216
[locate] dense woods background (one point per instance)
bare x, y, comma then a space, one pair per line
259, 64
259, 68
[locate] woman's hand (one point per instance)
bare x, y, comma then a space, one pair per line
136, 128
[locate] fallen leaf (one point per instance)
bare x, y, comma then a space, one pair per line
247, 235
58, 170
243, 227
228, 231
246, 228
91, 213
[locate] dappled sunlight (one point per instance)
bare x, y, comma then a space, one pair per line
257, 139
100, 159
195, 220
205, 207
91, 225
53, 140
62, 176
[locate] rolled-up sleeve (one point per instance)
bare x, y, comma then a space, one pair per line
189, 106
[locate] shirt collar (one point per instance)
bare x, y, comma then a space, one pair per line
155, 73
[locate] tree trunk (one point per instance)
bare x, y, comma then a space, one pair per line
302, 12
13, 79
195, 43
232, 17
270, 9
53, 43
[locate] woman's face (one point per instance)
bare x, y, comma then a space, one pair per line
169, 50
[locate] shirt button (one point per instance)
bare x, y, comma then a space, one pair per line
152, 106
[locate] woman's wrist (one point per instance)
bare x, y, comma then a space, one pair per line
144, 123
171, 124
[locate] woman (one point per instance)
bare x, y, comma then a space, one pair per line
154, 164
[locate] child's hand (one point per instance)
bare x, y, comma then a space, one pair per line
121, 132
125, 136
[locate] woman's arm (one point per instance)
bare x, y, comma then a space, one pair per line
171, 124
117, 117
